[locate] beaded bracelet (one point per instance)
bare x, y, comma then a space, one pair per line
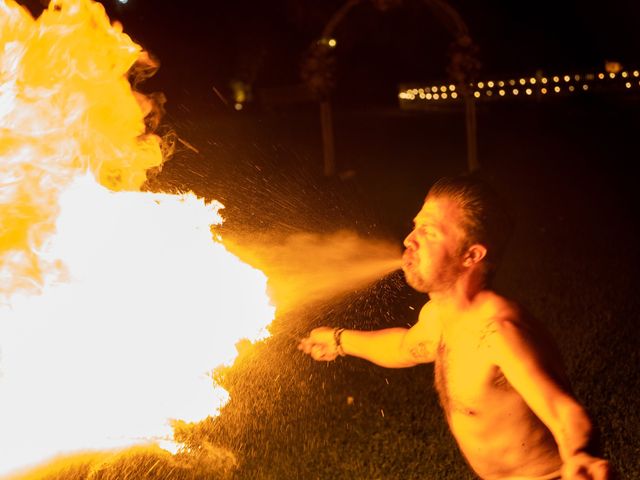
337, 333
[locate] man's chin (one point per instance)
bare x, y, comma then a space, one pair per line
414, 281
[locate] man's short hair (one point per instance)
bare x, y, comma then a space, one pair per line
484, 217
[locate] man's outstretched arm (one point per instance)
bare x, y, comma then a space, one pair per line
390, 347
529, 369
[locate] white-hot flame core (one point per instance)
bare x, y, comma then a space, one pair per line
151, 304
115, 304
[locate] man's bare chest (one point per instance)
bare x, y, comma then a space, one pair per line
465, 378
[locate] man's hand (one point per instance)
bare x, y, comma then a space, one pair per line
320, 344
583, 466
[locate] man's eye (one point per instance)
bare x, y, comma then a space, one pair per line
429, 233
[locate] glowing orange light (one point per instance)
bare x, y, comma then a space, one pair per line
115, 304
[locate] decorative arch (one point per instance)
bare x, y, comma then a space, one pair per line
318, 70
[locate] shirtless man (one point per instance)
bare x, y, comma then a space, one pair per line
498, 374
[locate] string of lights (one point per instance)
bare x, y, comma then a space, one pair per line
414, 95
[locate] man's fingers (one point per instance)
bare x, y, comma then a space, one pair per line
318, 352
601, 471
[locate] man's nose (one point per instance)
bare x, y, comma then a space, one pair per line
410, 239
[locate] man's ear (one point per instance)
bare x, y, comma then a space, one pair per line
475, 253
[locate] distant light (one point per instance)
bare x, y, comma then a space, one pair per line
123, 2
237, 106
490, 84
332, 42
421, 91
532, 81
428, 95
476, 94
512, 82
556, 79
624, 74
443, 88
434, 89
601, 75
515, 91
585, 87
628, 84
544, 91
501, 92
480, 85
577, 78
636, 73
443, 96
612, 75
436, 96
422, 95
571, 88
454, 95
544, 80
522, 81
501, 83
556, 89
489, 93
452, 87
567, 78
528, 91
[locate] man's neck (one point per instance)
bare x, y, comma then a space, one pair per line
460, 295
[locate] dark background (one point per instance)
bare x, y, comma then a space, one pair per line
203, 44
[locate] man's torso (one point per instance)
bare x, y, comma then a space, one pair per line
495, 429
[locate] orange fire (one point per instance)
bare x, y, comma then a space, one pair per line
115, 304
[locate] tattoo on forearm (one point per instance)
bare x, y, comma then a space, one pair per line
419, 351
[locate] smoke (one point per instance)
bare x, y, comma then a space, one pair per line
309, 267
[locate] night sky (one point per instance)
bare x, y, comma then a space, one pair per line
207, 43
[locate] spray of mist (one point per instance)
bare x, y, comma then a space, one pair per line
308, 267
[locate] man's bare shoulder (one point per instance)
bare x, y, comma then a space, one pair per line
490, 307
505, 326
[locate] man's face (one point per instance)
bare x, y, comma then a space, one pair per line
431, 260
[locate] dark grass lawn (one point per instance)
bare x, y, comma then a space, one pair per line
566, 170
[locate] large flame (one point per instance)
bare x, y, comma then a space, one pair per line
115, 304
